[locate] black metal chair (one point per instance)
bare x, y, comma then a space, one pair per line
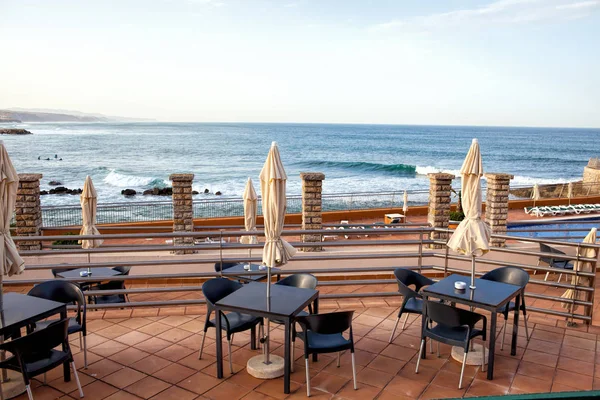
233, 322
453, 326
514, 276
323, 333
36, 353
223, 266
65, 292
412, 300
302, 281
553, 262
113, 285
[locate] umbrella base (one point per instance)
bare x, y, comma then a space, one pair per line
13, 386
473, 357
257, 368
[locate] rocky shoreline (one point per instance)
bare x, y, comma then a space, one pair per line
167, 191
14, 131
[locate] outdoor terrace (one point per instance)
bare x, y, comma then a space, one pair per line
148, 349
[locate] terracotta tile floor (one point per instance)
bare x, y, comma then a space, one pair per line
137, 354
153, 354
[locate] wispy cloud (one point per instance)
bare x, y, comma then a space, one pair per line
497, 12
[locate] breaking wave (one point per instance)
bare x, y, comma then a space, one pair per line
123, 180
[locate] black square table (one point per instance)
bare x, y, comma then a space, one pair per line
488, 295
285, 303
99, 272
19, 310
238, 272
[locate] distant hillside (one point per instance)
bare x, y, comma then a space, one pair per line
47, 115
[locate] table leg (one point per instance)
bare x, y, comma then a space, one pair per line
315, 356
513, 346
492, 342
253, 338
66, 367
423, 319
219, 344
286, 357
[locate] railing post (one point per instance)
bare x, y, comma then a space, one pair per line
183, 212
28, 210
496, 203
312, 215
438, 216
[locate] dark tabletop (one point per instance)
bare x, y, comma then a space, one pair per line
100, 272
487, 293
286, 301
19, 310
239, 271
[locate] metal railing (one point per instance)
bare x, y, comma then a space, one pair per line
145, 211
404, 242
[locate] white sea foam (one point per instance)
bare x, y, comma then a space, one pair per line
122, 180
430, 170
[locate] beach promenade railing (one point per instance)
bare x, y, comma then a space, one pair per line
147, 211
402, 245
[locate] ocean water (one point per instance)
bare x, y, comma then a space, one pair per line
354, 158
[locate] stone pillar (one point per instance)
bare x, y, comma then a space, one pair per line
28, 210
496, 205
183, 213
438, 216
312, 185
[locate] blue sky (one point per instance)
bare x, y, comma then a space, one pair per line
504, 62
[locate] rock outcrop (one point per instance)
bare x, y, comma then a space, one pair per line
128, 192
156, 191
14, 131
61, 190
54, 183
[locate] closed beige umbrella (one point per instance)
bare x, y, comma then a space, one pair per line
88, 202
570, 191
12, 263
472, 236
586, 266
272, 185
276, 251
535, 193
250, 210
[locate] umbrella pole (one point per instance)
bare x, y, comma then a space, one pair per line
268, 328
472, 287
89, 262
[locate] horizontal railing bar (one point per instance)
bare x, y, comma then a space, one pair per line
559, 313
518, 265
557, 299
220, 233
213, 246
532, 240
188, 275
214, 260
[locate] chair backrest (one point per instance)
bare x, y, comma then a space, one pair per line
124, 270
217, 288
449, 316
303, 281
226, 265
406, 278
544, 248
512, 275
39, 341
327, 324
63, 292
